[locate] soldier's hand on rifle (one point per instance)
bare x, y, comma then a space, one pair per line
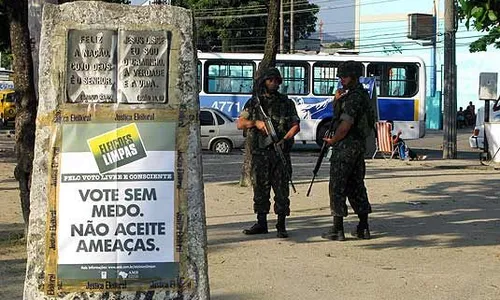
328, 140
281, 143
261, 126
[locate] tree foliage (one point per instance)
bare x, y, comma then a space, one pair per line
349, 44
240, 25
4, 29
484, 15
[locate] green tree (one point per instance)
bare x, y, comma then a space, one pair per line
240, 25
349, 44
4, 37
4, 29
484, 15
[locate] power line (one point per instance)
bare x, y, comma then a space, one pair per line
258, 6
296, 11
367, 48
375, 30
383, 33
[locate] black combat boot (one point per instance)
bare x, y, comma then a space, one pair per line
336, 233
260, 227
281, 227
362, 230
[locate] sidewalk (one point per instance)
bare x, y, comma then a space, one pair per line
435, 235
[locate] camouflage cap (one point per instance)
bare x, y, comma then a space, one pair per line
350, 68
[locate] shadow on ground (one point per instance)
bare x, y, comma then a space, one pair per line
445, 214
12, 272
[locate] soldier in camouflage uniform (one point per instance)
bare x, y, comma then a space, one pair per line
267, 168
353, 120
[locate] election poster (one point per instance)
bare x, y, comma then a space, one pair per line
116, 207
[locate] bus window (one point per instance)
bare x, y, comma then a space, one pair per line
295, 77
324, 78
395, 79
229, 77
397, 82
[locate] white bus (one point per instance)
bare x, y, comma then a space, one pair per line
226, 80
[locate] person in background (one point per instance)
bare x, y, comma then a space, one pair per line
461, 118
470, 114
405, 153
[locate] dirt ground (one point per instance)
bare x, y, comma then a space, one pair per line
435, 232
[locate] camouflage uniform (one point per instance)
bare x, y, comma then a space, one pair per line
347, 169
267, 168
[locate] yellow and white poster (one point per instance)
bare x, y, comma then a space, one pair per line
116, 205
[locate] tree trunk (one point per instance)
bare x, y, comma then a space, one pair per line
27, 103
272, 37
269, 60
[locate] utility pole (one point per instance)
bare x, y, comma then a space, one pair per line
450, 82
292, 38
282, 29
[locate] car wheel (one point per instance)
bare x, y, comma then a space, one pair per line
321, 133
222, 146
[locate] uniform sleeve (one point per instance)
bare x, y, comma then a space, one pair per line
294, 116
248, 111
353, 109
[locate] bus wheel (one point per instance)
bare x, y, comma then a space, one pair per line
222, 146
320, 134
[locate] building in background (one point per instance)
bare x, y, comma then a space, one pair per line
381, 28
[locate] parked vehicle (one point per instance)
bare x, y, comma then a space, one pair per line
219, 132
7, 106
476, 140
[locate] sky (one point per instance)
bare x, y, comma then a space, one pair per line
337, 16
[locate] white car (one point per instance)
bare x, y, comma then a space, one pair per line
476, 140
219, 132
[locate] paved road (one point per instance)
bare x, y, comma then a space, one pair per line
221, 168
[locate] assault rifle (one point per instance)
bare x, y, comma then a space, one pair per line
275, 140
322, 152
